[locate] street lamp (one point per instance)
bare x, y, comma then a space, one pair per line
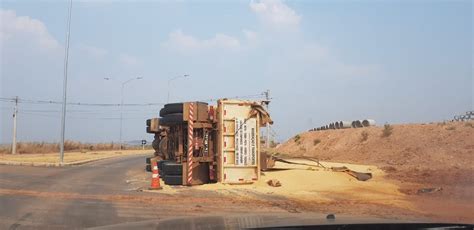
121, 104
121, 107
66, 60
169, 84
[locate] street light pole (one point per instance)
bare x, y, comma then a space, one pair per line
169, 84
66, 58
121, 107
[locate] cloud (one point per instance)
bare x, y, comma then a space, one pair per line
251, 36
129, 60
188, 43
92, 51
275, 14
22, 29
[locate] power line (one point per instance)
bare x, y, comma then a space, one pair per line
29, 101
43, 102
87, 111
85, 118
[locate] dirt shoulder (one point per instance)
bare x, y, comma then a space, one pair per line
69, 157
431, 164
306, 189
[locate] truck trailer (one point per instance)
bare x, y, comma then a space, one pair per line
197, 143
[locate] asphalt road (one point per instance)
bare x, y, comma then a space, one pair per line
103, 193
71, 197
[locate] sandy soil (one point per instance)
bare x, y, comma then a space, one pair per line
414, 157
69, 157
314, 189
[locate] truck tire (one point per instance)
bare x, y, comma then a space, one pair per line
148, 160
173, 179
160, 164
148, 168
171, 108
172, 168
172, 119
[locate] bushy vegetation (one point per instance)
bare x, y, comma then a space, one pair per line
364, 136
297, 138
45, 147
316, 141
387, 130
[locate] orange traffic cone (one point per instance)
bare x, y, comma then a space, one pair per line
155, 178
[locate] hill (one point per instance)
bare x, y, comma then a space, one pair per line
438, 154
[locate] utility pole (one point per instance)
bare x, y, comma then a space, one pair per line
15, 114
267, 98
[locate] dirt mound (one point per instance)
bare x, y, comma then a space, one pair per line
440, 153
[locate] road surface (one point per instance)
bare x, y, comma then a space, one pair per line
107, 192
96, 194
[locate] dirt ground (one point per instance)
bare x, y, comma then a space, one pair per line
431, 164
420, 173
307, 189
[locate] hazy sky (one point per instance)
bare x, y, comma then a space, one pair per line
393, 61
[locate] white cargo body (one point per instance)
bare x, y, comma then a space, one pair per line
238, 144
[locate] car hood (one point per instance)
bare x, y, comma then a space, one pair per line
249, 221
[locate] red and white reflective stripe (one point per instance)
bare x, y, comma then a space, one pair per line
190, 142
154, 171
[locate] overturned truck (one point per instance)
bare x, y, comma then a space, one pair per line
196, 143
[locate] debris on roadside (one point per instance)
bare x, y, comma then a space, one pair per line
139, 189
274, 183
132, 181
358, 175
429, 190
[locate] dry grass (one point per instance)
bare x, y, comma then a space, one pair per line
68, 157
69, 146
